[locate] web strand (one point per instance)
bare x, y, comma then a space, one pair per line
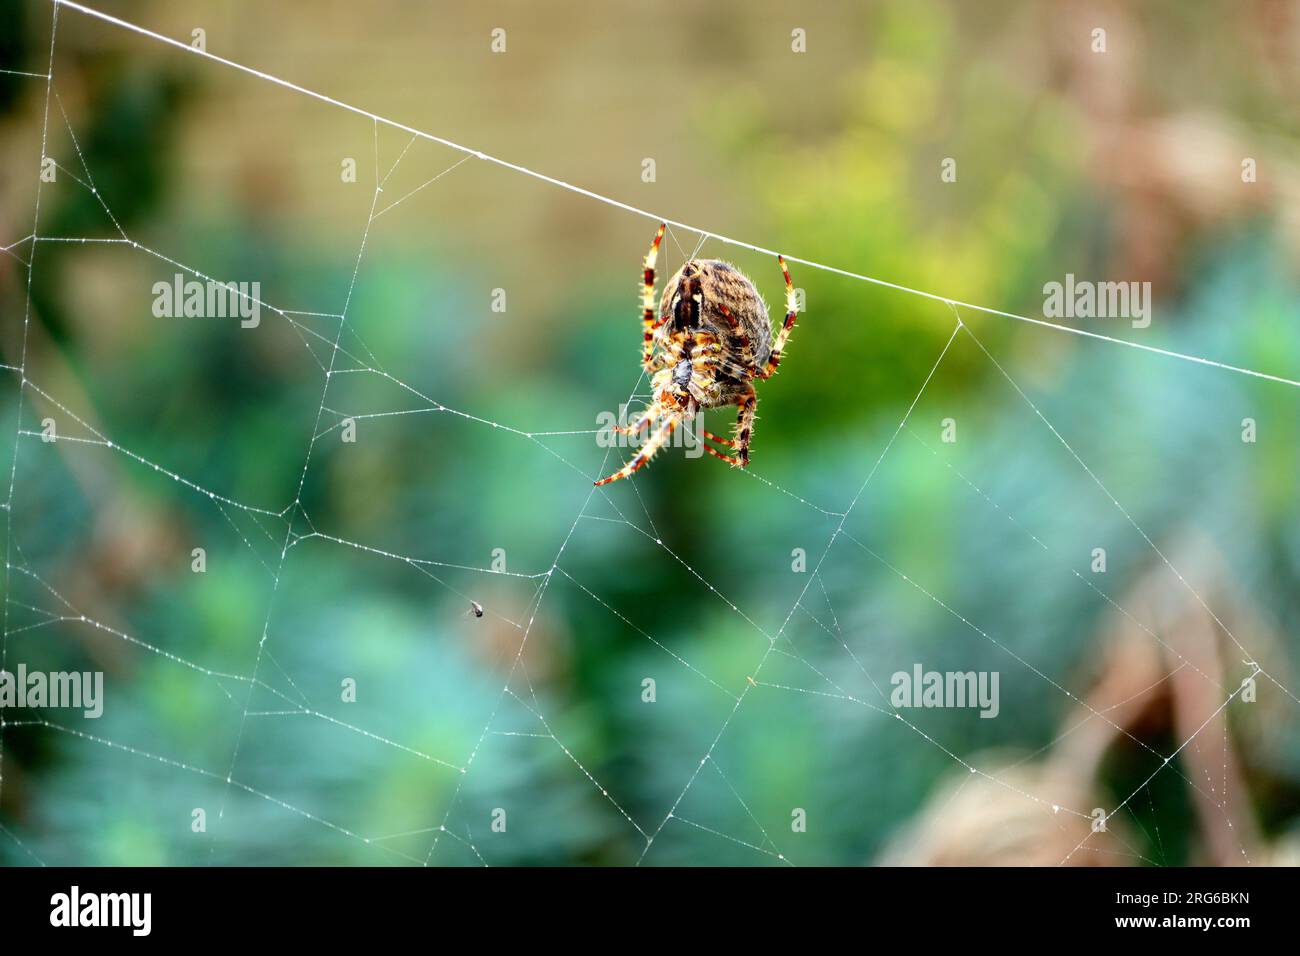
627, 207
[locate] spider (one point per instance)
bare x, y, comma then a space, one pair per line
710, 340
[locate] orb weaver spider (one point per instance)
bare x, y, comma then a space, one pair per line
708, 343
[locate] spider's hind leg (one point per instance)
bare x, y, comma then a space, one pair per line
748, 402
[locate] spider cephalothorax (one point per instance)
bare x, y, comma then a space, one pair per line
709, 340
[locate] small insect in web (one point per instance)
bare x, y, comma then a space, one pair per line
708, 342
475, 608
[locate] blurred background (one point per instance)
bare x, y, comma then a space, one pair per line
363, 568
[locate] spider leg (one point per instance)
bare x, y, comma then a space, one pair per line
748, 403
706, 359
735, 370
733, 323
745, 424
735, 463
648, 319
706, 352
652, 445
791, 313
649, 414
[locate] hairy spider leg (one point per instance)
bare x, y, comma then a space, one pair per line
791, 313
648, 318
734, 324
734, 369
705, 358
655, 442
651, 412
744, 431
705, 348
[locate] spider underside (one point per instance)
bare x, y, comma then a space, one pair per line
703, 348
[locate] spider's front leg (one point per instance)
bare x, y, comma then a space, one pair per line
651, 412
791, 313
655, 442
648, 319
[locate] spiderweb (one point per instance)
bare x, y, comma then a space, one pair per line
802, 656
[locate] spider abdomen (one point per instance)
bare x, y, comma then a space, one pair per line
714, 296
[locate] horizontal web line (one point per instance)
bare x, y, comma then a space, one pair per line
143, 31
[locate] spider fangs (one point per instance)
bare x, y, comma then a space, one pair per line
708, 343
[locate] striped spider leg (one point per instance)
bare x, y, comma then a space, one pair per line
791, 313
744, 431
648, 319
678, 394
